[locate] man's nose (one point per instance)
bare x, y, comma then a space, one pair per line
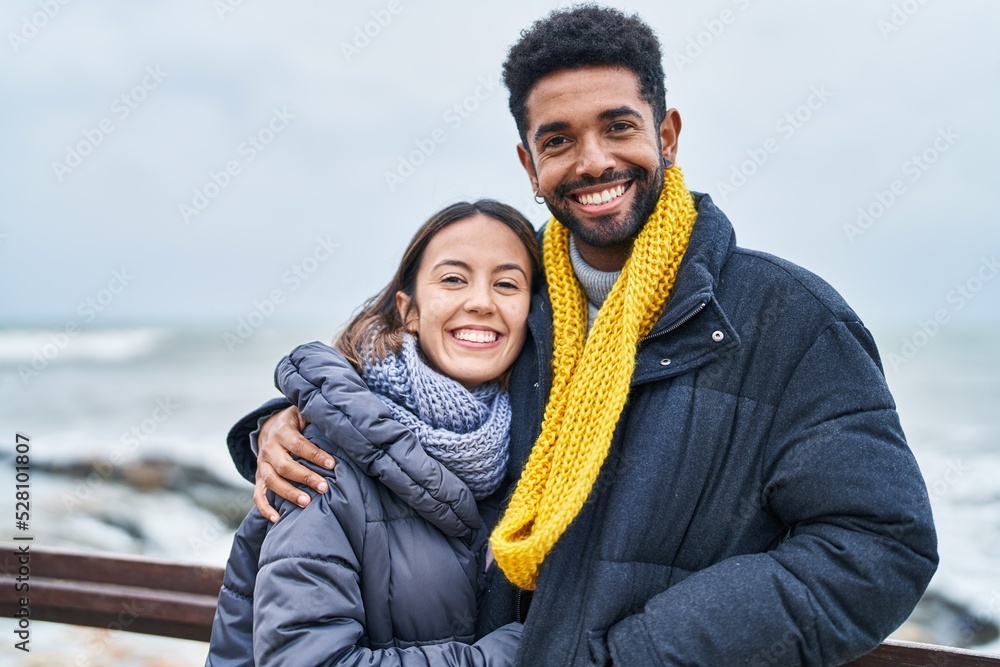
594, 158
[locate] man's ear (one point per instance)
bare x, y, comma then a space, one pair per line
525, 157
403, 302
670, 130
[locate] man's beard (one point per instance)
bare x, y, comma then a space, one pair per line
605, 231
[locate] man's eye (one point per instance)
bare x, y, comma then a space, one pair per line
620, 126
554, 142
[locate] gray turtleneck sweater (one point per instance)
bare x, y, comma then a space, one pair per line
596, 284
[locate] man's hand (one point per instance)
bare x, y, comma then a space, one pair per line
280, 437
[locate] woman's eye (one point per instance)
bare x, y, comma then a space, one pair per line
507, 284
452, 280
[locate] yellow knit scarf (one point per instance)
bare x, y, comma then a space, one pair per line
590, 379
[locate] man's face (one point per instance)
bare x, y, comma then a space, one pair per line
595, 153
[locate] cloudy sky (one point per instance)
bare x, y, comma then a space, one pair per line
188, 162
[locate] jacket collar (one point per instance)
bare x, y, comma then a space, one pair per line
693, 329
712, 242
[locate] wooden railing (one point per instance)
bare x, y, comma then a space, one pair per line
122, 593
909, 654
160, 598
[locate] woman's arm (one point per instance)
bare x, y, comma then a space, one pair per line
308, 607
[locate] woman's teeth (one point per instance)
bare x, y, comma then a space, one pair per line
475, 335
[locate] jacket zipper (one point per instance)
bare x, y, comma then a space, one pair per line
521, 602
679, 323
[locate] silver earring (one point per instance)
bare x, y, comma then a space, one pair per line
539, 199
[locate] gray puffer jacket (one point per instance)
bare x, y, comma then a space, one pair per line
384, 568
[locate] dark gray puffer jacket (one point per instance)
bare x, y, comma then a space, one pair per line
384, 568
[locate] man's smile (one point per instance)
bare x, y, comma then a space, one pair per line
596, 200
601, 196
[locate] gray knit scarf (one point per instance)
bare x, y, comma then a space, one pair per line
466, 430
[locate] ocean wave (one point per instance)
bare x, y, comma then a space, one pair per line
18, 346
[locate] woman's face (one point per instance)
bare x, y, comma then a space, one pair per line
470, 305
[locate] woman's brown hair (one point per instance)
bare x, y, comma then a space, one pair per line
377, 329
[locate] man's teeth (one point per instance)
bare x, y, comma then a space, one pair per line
602, 197
475, 335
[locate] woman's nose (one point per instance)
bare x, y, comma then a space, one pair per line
480, 299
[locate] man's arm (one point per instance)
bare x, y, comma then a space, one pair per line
861, 546
272, 466
242, 437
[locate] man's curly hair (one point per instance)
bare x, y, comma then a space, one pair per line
582, 36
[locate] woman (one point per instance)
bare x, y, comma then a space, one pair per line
386, 567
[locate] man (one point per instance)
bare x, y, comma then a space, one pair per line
706, 463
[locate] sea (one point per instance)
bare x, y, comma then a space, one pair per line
127, 435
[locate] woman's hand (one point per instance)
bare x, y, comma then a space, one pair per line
280, 437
